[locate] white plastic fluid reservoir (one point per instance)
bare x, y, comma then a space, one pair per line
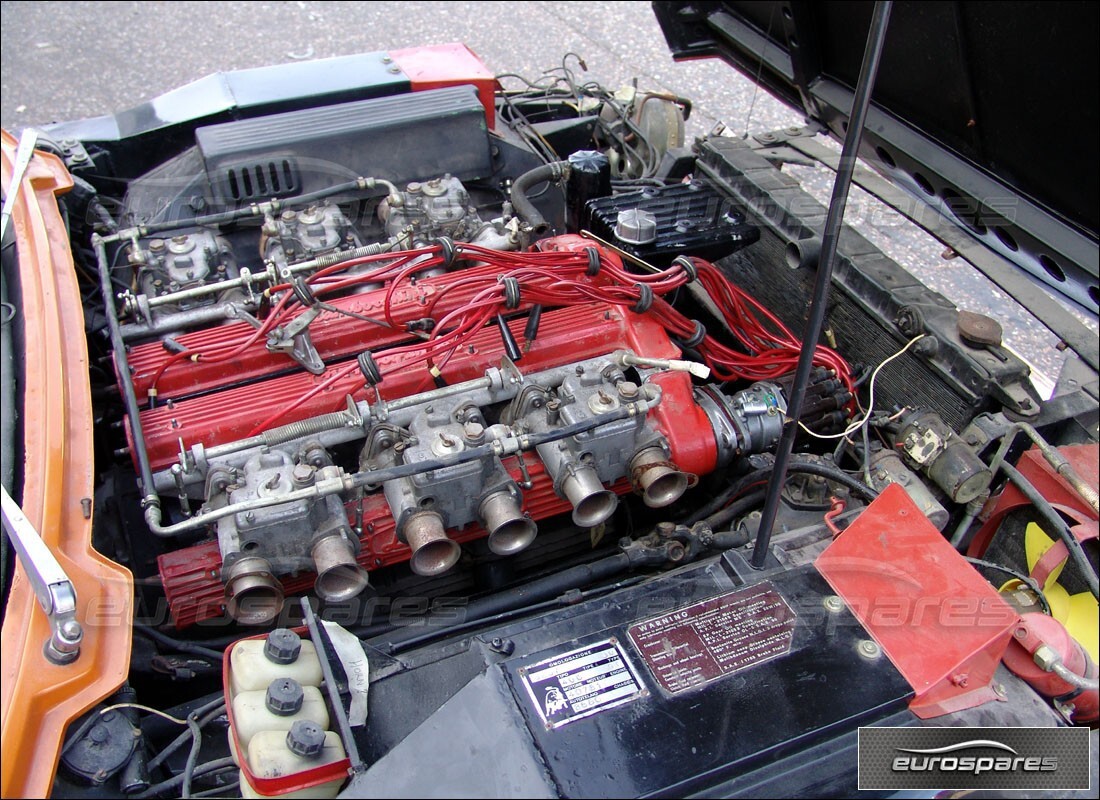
255, 663
273, 754
283, 703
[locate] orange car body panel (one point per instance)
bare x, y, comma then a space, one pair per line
39, 699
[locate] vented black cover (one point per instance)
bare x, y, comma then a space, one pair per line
405, 137
691, 218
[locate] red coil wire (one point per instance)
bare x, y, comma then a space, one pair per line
765, 347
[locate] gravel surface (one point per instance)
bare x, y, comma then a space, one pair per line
66, 60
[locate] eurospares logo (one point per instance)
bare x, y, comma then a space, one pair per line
954, 758
974, 758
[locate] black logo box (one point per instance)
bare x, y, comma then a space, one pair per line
974, 758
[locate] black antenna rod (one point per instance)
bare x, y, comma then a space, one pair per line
861, 101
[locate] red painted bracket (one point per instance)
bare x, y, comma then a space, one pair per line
940, 623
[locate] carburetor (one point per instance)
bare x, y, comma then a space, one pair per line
425, 505
307, 534
581, 465
441, 208
183, 262
307, 233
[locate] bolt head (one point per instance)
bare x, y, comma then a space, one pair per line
628, 390
99, 734
869, 649
302, 474
71, 631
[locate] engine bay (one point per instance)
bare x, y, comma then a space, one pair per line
492, 380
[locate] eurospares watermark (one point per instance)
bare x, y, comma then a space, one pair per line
974, 758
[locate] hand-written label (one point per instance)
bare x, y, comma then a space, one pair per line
356, 669
708, 640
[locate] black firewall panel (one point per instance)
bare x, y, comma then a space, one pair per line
662, 688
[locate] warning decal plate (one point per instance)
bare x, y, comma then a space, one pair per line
703, 642
581, 682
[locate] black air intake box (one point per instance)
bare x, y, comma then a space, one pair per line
405, 137
692, 218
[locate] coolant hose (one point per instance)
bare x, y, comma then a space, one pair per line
836, 475
734, 510
554, 172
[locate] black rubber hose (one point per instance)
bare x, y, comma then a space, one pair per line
1051, 517
568, 598
527, 594
719, 500
735, 510
206, 714
179, 645
1031, 583
836, 475
174, 783
726, 540
523, 207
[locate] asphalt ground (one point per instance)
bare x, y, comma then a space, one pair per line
66, 60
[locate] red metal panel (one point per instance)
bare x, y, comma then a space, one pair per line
941, 624
441, 65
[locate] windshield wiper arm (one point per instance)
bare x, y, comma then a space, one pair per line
52, 586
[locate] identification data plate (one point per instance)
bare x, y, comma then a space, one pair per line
581, 682
711, 639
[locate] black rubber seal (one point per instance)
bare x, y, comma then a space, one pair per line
688, 266
511, 293
447, 250
697, 337
302, 293
369, 367
645, 299
593, 262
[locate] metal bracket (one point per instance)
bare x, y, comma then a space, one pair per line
294, 340
52, 586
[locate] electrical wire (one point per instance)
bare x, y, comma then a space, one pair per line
622, 133
192, 756
220, 790
1028, 581
203, 715
146, 709
558, 279
870, 398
